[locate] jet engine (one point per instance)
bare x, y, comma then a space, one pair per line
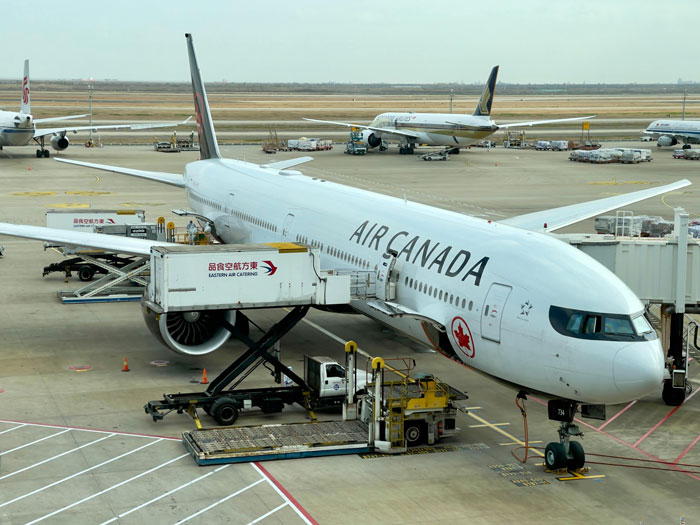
190, 333
370, 138
59, 142
666, 140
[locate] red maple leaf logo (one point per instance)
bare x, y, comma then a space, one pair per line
463, 339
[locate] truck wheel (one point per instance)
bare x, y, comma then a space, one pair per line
225, 411
415, 434
85, 273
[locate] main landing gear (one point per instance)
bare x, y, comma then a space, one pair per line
566, 454
406, 149
42, 152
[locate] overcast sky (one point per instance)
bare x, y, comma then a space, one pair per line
534, 41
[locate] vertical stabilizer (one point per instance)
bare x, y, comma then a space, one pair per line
25, 106
208, 147
483, 108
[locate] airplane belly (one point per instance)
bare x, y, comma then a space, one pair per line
231, 230
15, 137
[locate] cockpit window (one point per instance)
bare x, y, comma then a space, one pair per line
600, 326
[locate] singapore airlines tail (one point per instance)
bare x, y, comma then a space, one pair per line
483, 108
26, 99
208, 147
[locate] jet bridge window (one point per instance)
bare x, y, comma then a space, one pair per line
600, 326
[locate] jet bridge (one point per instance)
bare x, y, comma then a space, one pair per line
660, 271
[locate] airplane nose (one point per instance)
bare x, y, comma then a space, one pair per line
638, 368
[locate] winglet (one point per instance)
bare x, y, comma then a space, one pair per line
25, 106
483, 108
208, 147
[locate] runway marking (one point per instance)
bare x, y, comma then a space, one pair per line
13, 428
663, 420
531, 442
222, 500
89, 193
490, 425
601, 427
301, 511
34, 442
614, 182
113, 432
165, 495
18, 498
54, 457
682, 454
66, 205
117, 485
268, 513
34, 193
577, 476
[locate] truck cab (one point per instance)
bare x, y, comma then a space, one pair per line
328, 378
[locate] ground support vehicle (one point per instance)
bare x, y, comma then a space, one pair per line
84, 269
436, 155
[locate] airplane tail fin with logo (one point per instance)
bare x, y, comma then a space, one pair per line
25, 106
208, 147
483, 108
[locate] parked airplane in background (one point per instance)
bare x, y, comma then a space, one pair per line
18, 129
503, 297
438, 129
671, 132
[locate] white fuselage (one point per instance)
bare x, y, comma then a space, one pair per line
436, 129
686, 130
489, 284
16, 129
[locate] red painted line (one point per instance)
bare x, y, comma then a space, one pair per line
686, 450
625, 443
284, 491
601, 427
90, 429
663, 420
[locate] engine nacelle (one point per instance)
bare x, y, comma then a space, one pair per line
190, 333
370, 138
667, 140
59, 142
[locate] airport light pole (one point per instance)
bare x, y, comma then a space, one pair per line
452, 96
685, 95
90, 97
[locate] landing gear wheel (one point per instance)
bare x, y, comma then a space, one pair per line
578, 457
225, 411
415, 434
673, 397
39, 154
555, 456
85, 273
46, 153
686, 146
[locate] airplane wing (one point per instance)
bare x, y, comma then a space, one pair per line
284, 164
556, 218
409, 134
75, 239
174, 179
58, 131
537, 122
55, 119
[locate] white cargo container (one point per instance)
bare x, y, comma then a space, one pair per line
560, 145
86, 219
543, 145
307, 145
226, 276
293, 143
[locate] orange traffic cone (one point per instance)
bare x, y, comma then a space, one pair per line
125, 368
204, 380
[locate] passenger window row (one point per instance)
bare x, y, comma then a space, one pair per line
437, 293
255, 220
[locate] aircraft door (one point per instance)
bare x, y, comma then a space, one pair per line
494, 304
287, 227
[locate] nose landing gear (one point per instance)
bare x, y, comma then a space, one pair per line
566, 454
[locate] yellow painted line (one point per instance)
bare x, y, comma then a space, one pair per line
67, 205
513, 443
472, 408
97, 179
615, 182
576, 476
89, 193
502, 432
34, 193
140, 204
490, 425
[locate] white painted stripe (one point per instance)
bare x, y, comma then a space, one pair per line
14, 428
268, 513
34, 442
88, 498
18, 498
54, 457
282, 494
43, 425
205, 509
165, 495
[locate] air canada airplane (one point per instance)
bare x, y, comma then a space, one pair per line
505, 298
438, 129
19, 129
671, 132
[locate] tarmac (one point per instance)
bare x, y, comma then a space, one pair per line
76, 446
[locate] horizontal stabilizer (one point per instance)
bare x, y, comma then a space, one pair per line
174, 179
556, 218
284, 164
